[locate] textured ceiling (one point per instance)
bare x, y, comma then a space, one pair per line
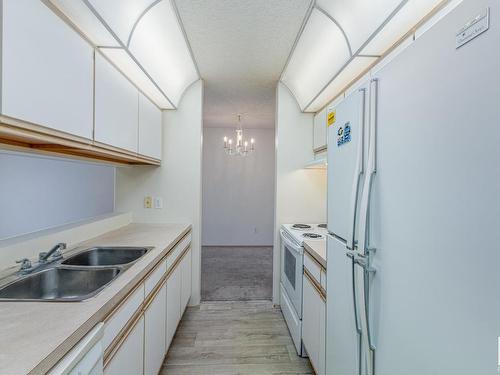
241, 47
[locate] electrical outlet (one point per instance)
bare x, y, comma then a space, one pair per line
148, 202
158, 202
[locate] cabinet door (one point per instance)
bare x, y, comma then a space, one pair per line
129, 359
186, 280
173, 303
150, 133
322, 339
319, 131
116, 107
47, 69
154, 333
310, 326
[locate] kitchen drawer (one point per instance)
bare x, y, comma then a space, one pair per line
179, 248
313, 267
119, 319
155, 277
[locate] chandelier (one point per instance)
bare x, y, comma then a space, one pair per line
241, 147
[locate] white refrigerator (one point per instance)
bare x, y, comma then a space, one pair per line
416, 289
347, 150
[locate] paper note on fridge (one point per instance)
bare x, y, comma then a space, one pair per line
331, 117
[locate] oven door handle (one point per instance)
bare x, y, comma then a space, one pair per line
288, 242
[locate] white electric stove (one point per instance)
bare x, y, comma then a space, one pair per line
292, 261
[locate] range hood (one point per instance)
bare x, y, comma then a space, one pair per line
316, 163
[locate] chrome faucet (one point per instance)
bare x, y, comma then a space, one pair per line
43, 258
55, 253
25, 264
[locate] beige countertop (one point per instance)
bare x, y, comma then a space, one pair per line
34, 336
317, 249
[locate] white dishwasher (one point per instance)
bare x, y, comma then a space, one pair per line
86, 357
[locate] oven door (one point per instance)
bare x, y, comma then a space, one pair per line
291, 270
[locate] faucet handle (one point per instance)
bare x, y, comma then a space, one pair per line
25, 263
57, 254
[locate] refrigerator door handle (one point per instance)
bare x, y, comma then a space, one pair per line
364, 258
367, 271
350, 243
355, 304
359, 332
371, 170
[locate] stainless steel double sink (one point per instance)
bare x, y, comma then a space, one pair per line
75, 278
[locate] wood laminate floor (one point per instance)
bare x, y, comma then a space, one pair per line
229, 338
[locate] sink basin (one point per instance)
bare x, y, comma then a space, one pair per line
106, 256
59, 284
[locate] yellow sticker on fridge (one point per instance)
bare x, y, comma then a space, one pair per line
330, 118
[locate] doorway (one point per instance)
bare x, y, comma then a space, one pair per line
238, 218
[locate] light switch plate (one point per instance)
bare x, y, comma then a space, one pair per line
473, 28
158, 202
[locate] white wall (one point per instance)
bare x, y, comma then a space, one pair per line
39, 192
238, 192
300, 193
29, 245
177, 180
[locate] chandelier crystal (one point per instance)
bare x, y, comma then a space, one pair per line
241, 147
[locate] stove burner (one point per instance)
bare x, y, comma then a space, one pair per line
301, 226
312, 235
323, 226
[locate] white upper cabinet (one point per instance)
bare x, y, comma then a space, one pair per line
47, 69
319, 131
116, 107
150, 133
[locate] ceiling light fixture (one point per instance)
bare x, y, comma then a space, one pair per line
341, 39
241, 147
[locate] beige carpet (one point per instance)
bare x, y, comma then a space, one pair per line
236, 273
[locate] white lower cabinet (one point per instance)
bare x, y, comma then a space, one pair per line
313, 326
186, 280
135, 338
322, 338
154, 332
129, 359
173, 303
310, 327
